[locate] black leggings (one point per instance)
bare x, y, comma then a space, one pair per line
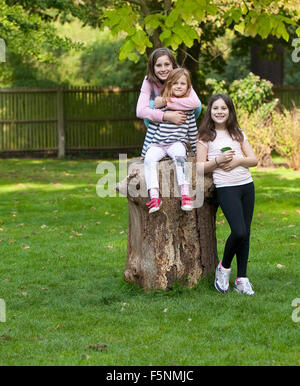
237, 204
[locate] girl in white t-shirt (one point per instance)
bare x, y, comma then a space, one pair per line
234, 185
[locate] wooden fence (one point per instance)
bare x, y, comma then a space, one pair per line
63, 121
288, 96
69, 120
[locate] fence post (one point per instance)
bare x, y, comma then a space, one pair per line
60, 123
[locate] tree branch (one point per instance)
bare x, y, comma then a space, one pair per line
189, 55
142, 4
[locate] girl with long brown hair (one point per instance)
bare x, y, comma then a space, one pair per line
224, 150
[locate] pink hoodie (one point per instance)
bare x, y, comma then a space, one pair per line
144, 111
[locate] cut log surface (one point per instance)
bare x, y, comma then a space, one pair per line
171, 244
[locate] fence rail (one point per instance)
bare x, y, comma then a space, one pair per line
76, 119
63, 120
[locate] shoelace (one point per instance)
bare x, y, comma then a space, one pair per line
154, 202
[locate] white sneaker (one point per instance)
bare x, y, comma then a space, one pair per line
243, 286
222, 278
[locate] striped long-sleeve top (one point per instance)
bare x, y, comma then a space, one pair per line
166, 133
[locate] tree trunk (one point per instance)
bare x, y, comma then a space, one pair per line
268, 67
169, 245
189, 58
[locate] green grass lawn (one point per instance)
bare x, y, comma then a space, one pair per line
62, 258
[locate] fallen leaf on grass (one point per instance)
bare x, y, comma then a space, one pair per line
76, 233
97, 347
5, 337
58, 326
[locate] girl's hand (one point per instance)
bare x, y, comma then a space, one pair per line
159, 103
227, 156
177, 117
231, 164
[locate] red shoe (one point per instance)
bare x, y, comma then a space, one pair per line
186, 203
154, 205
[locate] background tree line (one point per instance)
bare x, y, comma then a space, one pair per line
105, 43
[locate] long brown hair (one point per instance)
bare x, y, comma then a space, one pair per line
173, 76
152, 60
207, 130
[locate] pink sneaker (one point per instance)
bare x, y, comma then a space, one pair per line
186, 202
154, 205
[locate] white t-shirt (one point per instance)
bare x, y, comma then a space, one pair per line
220, 176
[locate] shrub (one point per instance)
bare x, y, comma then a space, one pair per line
260, 135
286, 131
250, 93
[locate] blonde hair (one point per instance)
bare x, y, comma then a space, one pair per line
173, 76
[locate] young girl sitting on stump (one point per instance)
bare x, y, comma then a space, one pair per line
225, 151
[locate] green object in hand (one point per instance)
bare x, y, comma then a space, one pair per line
225, 149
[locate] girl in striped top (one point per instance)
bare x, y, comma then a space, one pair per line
167, 138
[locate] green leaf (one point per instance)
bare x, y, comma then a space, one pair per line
282, 32
126, 48
153, 21
166, 34
240, 28
172, 18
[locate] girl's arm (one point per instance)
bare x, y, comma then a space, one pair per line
248, 161
191, 102
210, 166
143, 110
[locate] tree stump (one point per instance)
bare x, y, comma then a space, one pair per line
168, 245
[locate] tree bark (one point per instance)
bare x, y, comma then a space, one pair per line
270, 68
169, 245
